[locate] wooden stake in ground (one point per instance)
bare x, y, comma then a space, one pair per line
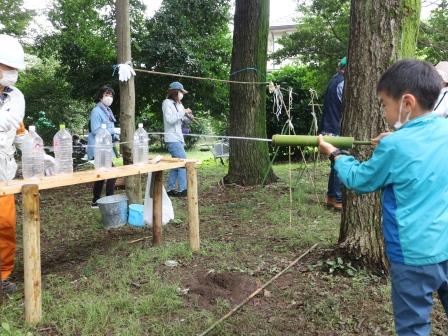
127, 99
193, 206
31, 254
230, 313
157, 208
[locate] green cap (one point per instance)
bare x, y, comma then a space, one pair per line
61, 126
343, 62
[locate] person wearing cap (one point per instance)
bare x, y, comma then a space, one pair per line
174, 114
12, 112
441, 107
101, 114
331, 125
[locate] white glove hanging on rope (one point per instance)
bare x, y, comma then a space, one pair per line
125, 71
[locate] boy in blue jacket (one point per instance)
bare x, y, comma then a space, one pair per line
410, 167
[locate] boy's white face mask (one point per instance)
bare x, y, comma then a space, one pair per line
398, 124
9, 77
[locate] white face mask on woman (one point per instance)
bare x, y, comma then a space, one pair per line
9, 77
180, 95
107, 100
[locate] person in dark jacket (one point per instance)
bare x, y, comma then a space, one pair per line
331, 125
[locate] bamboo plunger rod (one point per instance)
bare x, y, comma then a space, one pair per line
312, 140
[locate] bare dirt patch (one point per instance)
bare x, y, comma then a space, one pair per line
206, 288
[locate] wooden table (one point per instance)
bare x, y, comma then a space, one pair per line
31, 217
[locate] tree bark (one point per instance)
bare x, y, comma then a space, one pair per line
127, 100
249, 160
381, 32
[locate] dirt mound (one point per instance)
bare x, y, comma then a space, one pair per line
206, 288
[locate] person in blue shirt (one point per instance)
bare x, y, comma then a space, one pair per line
331, 125
101, 114
409, 166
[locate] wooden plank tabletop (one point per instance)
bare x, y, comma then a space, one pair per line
48, 182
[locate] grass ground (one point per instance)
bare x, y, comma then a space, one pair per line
98, 283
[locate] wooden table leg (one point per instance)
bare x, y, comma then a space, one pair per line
31, 254
193, 206
157, 208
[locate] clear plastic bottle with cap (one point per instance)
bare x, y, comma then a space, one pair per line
103, 149
32, 155
140, 146
63, 151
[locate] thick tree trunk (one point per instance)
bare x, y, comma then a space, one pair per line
249, 160
380, 33
127, 99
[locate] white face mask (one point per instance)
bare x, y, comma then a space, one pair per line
181, 95
107, 100
398, 124
9, 77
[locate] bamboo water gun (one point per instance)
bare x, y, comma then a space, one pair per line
312, 140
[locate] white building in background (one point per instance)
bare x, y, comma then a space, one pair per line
278, 29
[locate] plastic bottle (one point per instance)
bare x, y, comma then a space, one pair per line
32, 155
103, 149
140, 146
63, 151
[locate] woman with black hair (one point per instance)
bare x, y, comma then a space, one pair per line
101, 114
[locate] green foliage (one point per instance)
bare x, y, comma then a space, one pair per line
337, 266
190, 37
433, 42
7, 330
14, 18
48, 100
301, 80
84, 43
321, 39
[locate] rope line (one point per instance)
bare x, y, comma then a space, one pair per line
152, 72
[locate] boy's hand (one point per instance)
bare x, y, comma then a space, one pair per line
376, 141
325, 147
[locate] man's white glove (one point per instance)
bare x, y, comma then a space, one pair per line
49, 165
125, 72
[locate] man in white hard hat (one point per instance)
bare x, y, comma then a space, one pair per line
12, 111
441, 107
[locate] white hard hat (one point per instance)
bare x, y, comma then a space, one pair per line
11, 52
442, 69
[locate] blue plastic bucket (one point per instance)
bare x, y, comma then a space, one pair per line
114, 210
136, 215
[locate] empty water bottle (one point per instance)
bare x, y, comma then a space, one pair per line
140, 146
32, 155
103, 149
63, 150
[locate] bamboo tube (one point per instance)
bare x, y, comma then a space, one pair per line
157, 208
312, 140
31, 254
193, 206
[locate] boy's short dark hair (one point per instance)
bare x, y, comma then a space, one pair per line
102, 91
415, 77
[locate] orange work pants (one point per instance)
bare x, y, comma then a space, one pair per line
7, 235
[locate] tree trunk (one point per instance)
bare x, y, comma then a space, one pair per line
249, 160
380, 33
127, 100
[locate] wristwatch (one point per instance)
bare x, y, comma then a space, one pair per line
337, 152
